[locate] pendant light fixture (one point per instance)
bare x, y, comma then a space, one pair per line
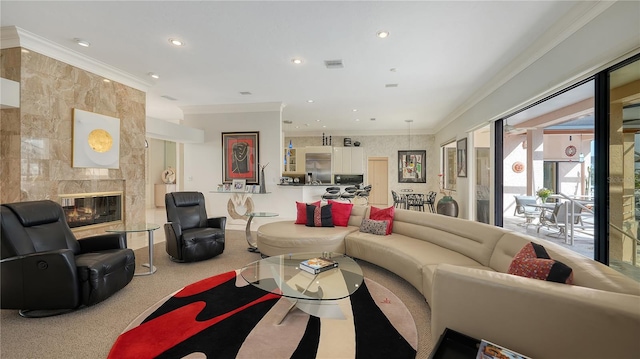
409, 122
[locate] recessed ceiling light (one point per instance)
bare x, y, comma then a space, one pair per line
176, 42
106, 80
83, 43
355, 110
310, 101
296, 61
317, 120
324, 126
155, 76
357, 120
382, 34
25, 51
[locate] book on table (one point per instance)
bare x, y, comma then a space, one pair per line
489, 350
317, 265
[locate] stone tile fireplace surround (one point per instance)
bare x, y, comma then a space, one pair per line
36, 139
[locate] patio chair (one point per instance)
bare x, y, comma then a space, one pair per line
525, 209
559, 217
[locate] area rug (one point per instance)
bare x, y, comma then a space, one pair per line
225, 317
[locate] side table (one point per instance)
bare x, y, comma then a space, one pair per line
252, 245
140, 227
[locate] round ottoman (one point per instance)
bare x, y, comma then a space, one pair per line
284, 237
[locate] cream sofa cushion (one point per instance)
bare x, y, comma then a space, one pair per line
404, 256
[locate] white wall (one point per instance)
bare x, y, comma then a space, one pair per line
202, 168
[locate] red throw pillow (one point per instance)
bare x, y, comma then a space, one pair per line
533, 262
301, 207
383, 214
341, 212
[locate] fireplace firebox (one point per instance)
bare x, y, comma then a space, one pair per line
91, 209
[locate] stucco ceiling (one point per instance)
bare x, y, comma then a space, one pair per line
439, 53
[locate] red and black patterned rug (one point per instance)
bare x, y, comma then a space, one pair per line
225, 317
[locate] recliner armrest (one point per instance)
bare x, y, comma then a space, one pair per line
217, 222
28, 281
103, 242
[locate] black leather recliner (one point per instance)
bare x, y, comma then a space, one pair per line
190, 235
47, 271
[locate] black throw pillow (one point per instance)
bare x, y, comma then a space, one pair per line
319, 216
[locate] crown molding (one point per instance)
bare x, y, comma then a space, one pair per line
13, 36
577, 18
233, 108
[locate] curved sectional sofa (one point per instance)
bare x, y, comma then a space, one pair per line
461, 267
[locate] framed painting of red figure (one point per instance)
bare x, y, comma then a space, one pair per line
240, 156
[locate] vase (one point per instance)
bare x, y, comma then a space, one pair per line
448, 206
263, 186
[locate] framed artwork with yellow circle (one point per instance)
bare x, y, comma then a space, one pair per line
96, 140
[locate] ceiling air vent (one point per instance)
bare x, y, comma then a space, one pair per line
169, 98
245, 93
391, 85
333, 64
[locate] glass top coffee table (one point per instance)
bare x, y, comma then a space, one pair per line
312, 293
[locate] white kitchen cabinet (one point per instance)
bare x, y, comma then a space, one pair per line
294, 160
348, 160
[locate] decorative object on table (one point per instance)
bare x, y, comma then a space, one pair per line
517, 167
169, 176
461, 159
446, 205
240, 156
347, 142
544, 193
357, 143
411, 166
263, 185
96, 140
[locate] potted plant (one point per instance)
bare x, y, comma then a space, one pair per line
544, 193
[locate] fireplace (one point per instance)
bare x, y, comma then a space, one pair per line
92, 209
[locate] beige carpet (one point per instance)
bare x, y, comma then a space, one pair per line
90, 332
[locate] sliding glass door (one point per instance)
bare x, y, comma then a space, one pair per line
624, 168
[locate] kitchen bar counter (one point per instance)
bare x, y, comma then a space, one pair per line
311, 192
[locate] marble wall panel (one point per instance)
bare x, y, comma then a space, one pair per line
10, 63
10, 121
37, 137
